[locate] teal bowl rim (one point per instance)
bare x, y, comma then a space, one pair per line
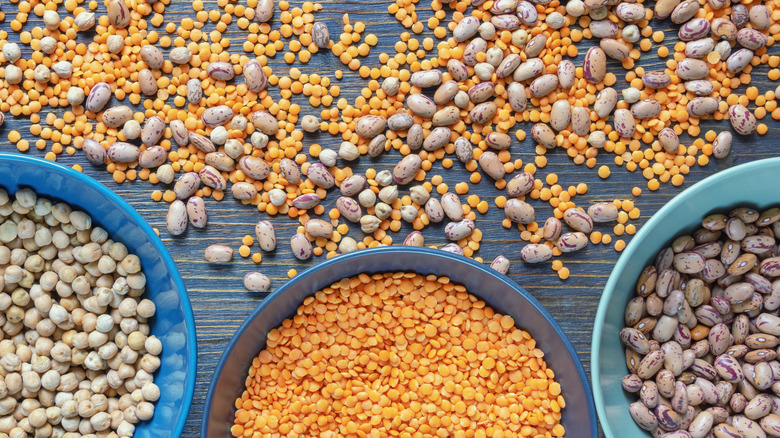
625, 258
189, 319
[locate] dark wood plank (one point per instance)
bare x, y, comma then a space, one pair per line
220, 302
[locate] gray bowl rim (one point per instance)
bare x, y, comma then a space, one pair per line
189, 319
609, 288
399, 251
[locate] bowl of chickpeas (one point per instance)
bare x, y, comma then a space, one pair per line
395, 341
98, 336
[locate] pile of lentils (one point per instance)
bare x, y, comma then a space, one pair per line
76, 356
185, 109
701, 335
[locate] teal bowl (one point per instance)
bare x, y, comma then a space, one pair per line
173, 323
755, 184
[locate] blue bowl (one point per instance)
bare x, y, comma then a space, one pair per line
173, 324
497, 290
755, 184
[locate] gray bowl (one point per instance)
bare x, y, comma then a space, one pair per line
579, 417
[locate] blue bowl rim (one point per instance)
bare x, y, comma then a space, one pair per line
609, 288
189, 318
402, 249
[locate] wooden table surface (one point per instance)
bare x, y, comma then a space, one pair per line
219, 300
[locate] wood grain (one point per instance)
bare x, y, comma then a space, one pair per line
219, 301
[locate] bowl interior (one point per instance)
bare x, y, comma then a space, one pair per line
755, 184
173, 323
497, 290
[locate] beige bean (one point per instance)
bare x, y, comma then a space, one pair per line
176, 220
218, 254
519, 211
536, 253
614, 49
256, 282
594, 66
319, 228
491, 165
196, 212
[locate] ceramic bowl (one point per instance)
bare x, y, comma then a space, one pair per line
755, 184
496, 289
173, 323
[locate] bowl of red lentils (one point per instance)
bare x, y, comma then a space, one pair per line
396, 340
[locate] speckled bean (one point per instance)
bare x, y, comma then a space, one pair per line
491, 165
452, 207
415, 238
118, 13
759, 17
570, 242
400, 122
434, 210
646, 109
301, 246
543, 85
552, 229
692, 69
656, 79
625, 125
320, 34
254, 167
154, 127
606, 100
498, 140
98, 97
689, 262
256, 282
630, 12
94, 151
544, 135
699, 48
306, 201
187, 184
738, 60
176, 220
117, 116
211, 177
530, 69
536, 253
152, 56
603, 29
580, 120
254, 76
349, 209
742, 120
459, 230
147, 82
483, 113
463, 150
481, 92
319, 228
472, 49
121, 152
684, 11
446, 116
216, 116
614, 49
500, 264
594, 66
521, 184
180, 55
194, 91
578, 219
437, 138
517, 97
320, 175
414, 137
669, 140
519, 211
152, 156
700, 87
221, 71
405, 171
466, 28
201, 142
643, 416
534, 47
265, 122
457, 70
419, 104
603, 212
426, 78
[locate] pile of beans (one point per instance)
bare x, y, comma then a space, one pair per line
208, 124
76, 356
701, 335
399, 354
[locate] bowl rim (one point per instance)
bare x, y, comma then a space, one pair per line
189, 318
398, 250
628, 253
